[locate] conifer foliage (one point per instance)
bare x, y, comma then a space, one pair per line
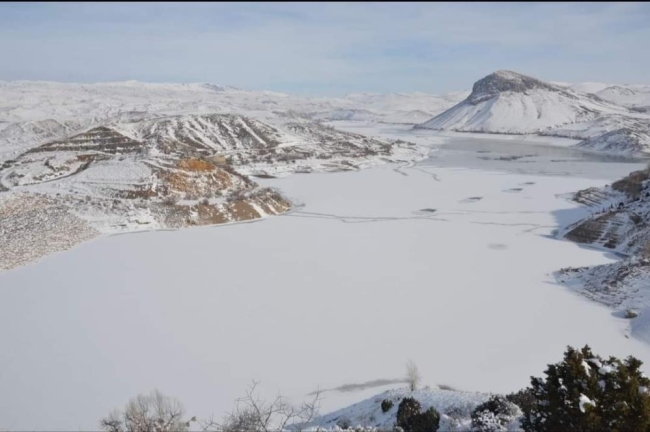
585, 392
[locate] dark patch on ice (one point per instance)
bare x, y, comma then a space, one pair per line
527, 183
470, 199
264, 176
428, 210
497, 246
513, 190
506, 158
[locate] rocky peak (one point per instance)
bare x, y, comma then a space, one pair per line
505, 81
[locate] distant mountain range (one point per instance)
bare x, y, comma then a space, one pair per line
32, 113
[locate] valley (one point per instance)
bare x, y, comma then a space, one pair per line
332, 235
188, 299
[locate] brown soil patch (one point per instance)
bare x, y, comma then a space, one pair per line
632, 184
241, 211
195, 184
210, 215
195, 165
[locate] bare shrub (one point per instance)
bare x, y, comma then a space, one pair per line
154, 412
413, 377
170, 200
253, 414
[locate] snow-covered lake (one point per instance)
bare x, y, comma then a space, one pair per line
444, 265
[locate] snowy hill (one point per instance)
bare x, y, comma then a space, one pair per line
455, 408
140, 172
588, 87
131, 156
507, 102
510, 103
627, 95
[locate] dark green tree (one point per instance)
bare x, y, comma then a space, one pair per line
411, 419
586, 393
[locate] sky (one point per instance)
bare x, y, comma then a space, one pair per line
325, 49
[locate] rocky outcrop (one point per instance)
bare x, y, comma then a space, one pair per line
506, 81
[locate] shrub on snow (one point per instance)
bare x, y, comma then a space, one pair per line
386, 405
494, 415
410, 419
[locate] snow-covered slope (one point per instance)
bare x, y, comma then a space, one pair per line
588, 87
634, 140
510, 103
455, 408
627, 95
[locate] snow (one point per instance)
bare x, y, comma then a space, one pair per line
535, 111
627, 95
455, 408
343, 289
584, 401
606, 369
589, 87
32, 113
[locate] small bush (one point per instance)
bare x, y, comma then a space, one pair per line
524, 399
494, 415
170, 200
386, 405
344, 423
410, 419
406, 410
428, 421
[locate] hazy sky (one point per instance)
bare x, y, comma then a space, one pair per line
325, 48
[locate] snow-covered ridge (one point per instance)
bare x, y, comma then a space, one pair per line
619, 223
140, 172
32, 113
627, 95
511, 103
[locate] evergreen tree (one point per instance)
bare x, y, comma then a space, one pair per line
586, 393
410, 419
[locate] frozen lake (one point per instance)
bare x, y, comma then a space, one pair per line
438, 263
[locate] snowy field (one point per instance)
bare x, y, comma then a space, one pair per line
447, 266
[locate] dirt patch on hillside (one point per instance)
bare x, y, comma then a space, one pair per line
195, 165
632, 185
197, 183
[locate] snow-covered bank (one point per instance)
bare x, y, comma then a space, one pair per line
450, 267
